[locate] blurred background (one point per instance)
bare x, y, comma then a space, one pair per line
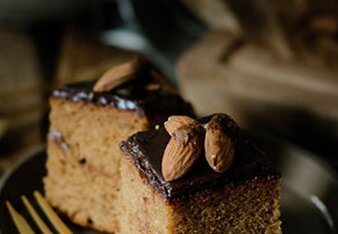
272, 65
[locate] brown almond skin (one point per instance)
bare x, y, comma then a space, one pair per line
165, 84
219, 145
121, 74
182, 151
175, 122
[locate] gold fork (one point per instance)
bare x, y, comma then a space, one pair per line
22, 224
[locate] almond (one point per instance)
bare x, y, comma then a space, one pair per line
175, 122
219, 146
119, 75
164, 83
152, 87
182, 151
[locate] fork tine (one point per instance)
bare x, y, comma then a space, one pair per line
19, 221
52, 216
39, 222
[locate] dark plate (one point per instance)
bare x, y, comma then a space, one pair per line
309, 188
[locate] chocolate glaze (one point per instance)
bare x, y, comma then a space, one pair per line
130, 97
145, 150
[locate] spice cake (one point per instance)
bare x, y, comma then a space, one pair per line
204, 177
87, 121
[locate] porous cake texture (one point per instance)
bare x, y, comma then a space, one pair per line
83, 164
243, 199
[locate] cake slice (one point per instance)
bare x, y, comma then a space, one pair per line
83, 162
228, 188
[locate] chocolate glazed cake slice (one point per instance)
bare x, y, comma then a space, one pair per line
87, 121
229, 188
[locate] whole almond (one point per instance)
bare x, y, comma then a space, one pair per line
219, 146
175, 122
119, 75
182, 151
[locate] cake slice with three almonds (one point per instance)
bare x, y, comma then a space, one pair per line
197, 176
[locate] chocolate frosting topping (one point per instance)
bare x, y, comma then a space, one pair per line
145, 150
131, 97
